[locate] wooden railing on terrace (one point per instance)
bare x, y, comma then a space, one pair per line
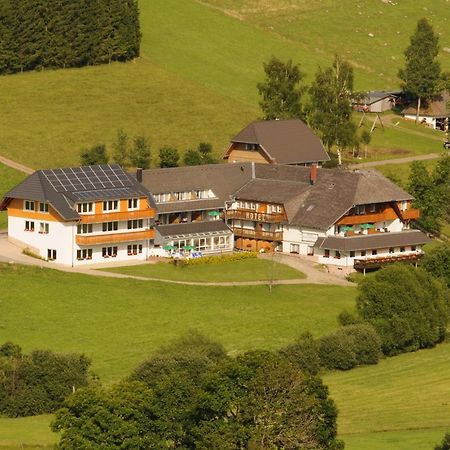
387, 214
255, 215
117, 216
258, 234
84, 239
375, 263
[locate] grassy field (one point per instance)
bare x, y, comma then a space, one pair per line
402, 403
119, 322
401, 171
8, 179
196, 79
245, 270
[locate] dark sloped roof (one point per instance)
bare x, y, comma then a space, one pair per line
373, 241
284, 141
193, 228
62, 188
222, 179
436, 107
375, 96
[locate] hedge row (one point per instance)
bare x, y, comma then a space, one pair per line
217, 259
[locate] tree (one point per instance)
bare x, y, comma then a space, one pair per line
94, 155
205, 151
431, 192
168, 157
281, 91
330, 111
140, 153
421, 75
192, 158
365, 139
407, 306
437, 262
120, 149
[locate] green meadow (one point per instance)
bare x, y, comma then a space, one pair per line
402, 403
230, 271
8, 179
196, 78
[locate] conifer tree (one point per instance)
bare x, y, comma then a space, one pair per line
120, 149
421, 75
140, 153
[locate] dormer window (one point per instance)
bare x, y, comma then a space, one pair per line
133, 203
251, 147
29, 205
84, 207
43, 207
111, 205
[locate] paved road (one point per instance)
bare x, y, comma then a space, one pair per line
16, 165
10, 253
395, 161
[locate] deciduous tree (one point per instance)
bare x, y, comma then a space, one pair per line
140, 153
168, 157
94, 155
281, 92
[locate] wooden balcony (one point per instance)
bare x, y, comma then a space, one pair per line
117, 216
254, 216
86, 239
387, 214
411, 214
258, 234
376, 263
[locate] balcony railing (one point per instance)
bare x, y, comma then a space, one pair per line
117, 216
258, 234
375, 263
387, 214
83, 239
255, 216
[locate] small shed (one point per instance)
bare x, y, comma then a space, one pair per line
376, 101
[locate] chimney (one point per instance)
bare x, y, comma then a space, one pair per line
139, 174
313, 174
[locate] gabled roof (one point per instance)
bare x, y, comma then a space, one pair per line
373, 241
375, 96
283, 141
63, 188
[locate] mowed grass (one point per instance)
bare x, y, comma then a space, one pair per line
401, 403
196, 79
32, 433
119, 322
401, 172
8, 179
244, 270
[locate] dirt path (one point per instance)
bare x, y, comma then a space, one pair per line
16, 165
383, 162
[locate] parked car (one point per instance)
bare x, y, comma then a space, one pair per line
447, 145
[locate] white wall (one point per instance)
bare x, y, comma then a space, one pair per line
428, 120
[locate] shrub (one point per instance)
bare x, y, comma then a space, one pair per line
350, 346
437, 262
445, 444
347, 318
39, 382
218, 259
304, 354
407, 307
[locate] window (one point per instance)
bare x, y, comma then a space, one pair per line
51, 254
134, 249
402, 249
85, 253
110, 226
404, 205
43, 207
43, 228
161, 198
251, 147
29, 205
133, 224
109, 251
221, 241
326, 253
295, 248
413, 248
392, 250
363, 253
352, 254
374, 252
182, 195
337, 254
361, 209
372, 207
84, 207
84, 228
200, 244
133, 203
111, 205
29, 226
